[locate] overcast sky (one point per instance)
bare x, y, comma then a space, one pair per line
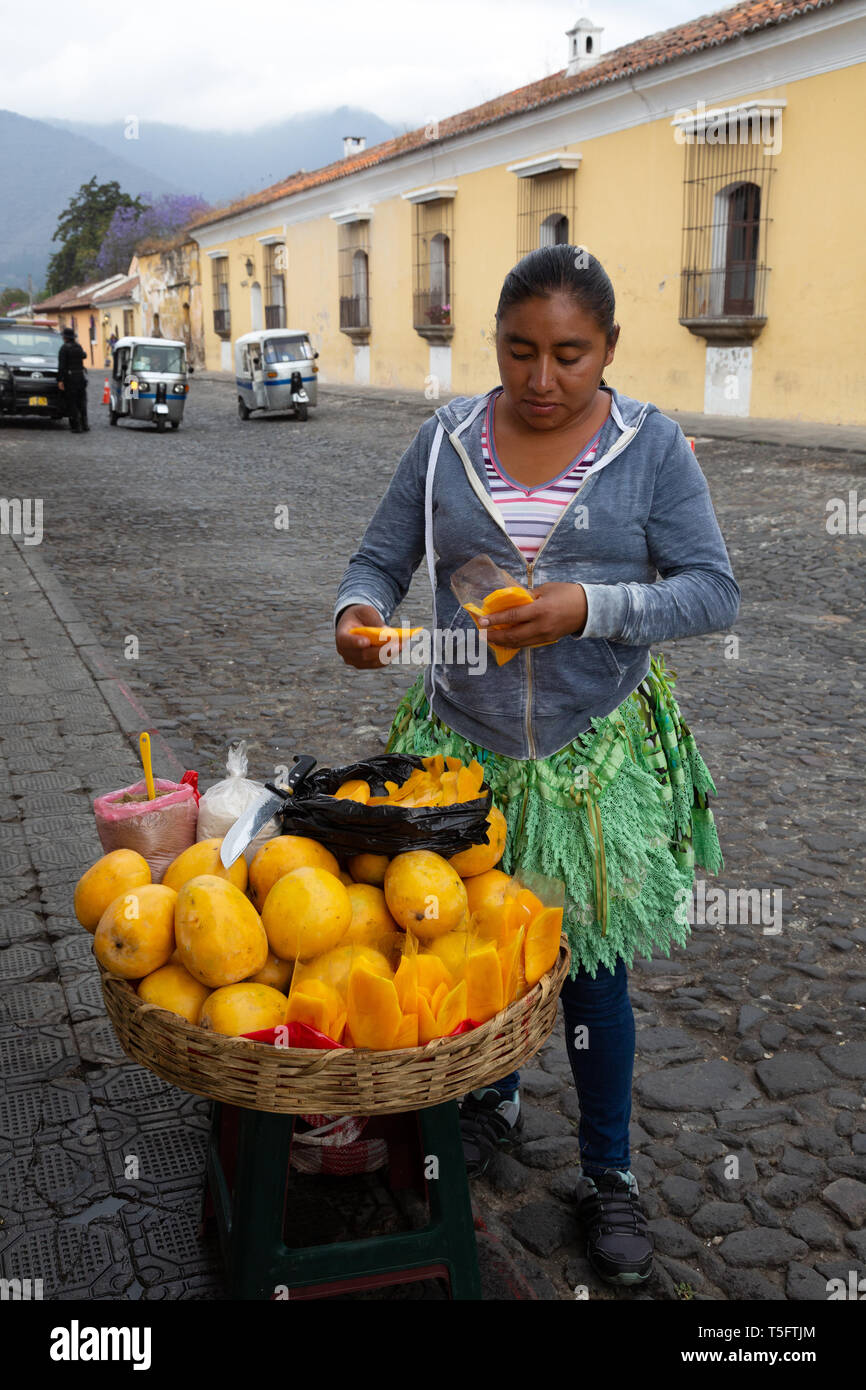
212, 64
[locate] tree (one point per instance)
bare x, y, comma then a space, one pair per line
131, 226
81, 228
12, 298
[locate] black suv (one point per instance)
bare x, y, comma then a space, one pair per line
28, 370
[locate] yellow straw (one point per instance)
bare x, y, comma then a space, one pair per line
144, 747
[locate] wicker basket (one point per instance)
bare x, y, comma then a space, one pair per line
346, 1081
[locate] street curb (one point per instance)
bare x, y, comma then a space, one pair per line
129, 714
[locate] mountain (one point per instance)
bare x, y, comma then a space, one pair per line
221, 165
41, 167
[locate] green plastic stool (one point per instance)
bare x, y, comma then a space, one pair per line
248, 1207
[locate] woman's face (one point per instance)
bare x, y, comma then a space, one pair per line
552, 355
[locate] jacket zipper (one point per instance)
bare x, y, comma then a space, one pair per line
529, 565
529, 739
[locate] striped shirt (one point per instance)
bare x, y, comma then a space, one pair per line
530, 513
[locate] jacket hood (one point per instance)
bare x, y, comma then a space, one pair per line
625, 410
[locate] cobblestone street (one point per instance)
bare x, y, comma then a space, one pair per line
749, 1044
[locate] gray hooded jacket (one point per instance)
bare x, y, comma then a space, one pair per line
640, 535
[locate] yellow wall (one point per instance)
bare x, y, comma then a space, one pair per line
169, 279
115, 319
807, 363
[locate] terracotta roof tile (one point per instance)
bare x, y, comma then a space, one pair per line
707, 31
120, 291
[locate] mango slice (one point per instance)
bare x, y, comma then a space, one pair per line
408, 1032
452, 1010
380, 635
354, 790
426, 1020
406, 984
439, 995
373, 1014
483, 980
432, 972
511, 962
513, 596
521, 909
542, 944
319, 1005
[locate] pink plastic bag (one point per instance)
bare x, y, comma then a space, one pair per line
160, 829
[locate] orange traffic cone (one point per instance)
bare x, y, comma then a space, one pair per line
106, 394
689, 437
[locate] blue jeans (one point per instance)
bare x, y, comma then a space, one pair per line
602, 1062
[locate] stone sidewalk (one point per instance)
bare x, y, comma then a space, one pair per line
76, 1117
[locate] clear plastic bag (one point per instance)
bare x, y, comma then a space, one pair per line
225, 801
483, 588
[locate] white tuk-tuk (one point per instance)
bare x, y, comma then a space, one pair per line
275, 370
148, 381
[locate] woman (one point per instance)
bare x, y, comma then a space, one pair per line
596, 501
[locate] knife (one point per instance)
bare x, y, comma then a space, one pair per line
270, 800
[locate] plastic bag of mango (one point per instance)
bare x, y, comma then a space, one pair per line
377, 954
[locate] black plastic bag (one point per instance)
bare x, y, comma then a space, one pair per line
350, 827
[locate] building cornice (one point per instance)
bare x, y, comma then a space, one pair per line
820, 42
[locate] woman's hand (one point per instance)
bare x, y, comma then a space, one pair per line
558, 610
357, 651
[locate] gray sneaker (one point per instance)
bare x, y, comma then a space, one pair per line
488, 1121
618, 1243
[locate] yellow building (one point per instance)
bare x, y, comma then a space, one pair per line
711, 168
119, 311
95, 311
171, 302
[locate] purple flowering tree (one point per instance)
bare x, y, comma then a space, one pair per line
128, 227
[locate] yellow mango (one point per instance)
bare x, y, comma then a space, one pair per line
424, 893
220, 937
280, 856
173, 988
275, 972
306, 913
334, 967
121, 871
204, 858
370, 868
243, 1008
452, 949
135, 935
486, 895
478, 859
371, 919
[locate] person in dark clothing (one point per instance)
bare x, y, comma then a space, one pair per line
72, 381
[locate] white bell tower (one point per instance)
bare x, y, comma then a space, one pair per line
584, 45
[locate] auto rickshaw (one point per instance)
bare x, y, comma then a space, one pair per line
148, 381
275, 370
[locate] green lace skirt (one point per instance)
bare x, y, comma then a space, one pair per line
620, 815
